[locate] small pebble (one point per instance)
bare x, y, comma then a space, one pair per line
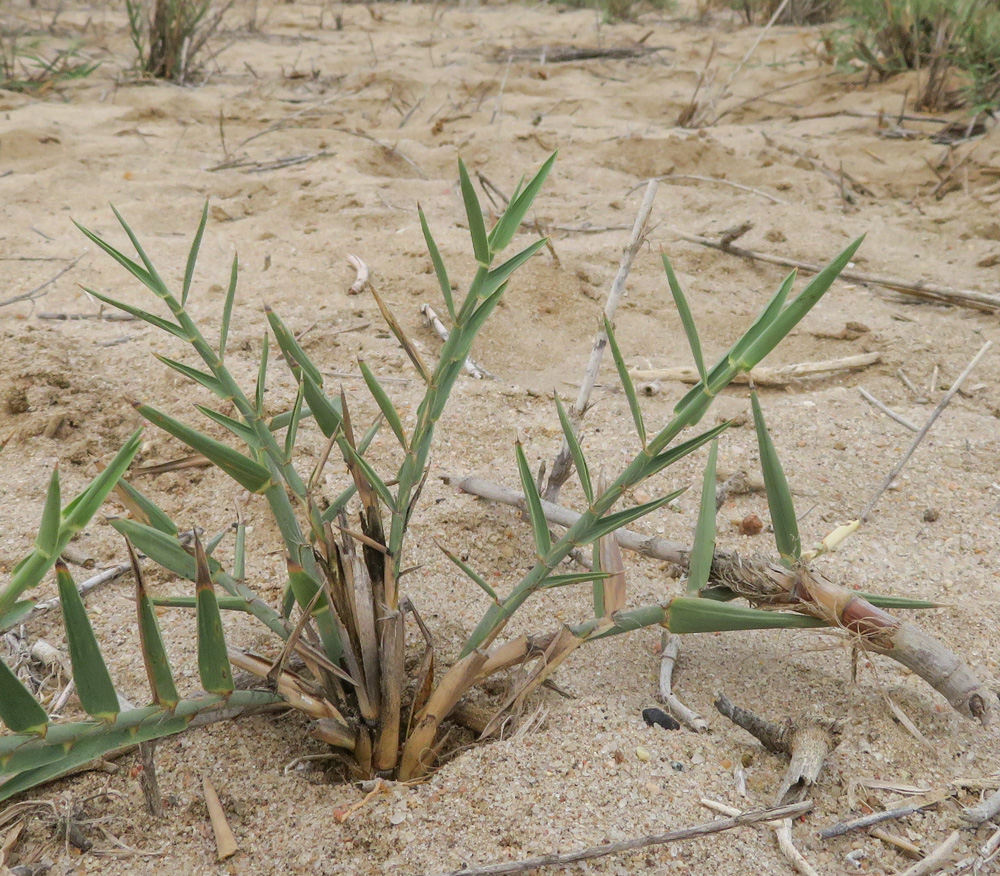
677, 766
751, 525
931, 514
642, 754
660, 719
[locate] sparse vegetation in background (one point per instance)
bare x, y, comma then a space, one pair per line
796, 12
620, 10
24, 66
954, 45
339, 650
170, 36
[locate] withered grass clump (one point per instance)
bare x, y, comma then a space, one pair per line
339, 652
170, 40
953, 44
796, 12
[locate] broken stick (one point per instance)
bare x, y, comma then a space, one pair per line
672, 836
918, 289
763, 376
668, 657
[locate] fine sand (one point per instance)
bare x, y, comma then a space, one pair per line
377, 103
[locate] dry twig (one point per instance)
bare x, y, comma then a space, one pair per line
946, 398
935, 859
668, 657
919, 289
764, 376
562, 467
225, 842
672, 836
434, 321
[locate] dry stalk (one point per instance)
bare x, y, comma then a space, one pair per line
764, 376
668, 657
945, 399
770, 585
556, 860
363, 275
986, 810
562, 467
932, 863
434, 321
919, 289
225, 842
885, 409
707, 116
782, 831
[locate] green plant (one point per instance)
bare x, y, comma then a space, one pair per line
24, 68
937, 38
620, 10
796, 12
170, 41
343, 610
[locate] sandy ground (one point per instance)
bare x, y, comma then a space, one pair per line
380, 107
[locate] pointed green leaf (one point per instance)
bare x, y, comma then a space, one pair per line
779, 496
48, 530
533, 502
384, 403
290, 348
794, 312
327, 412
679, 451
576, 451
439, 269
157, 321
155, 516
520, 202
227, 308
880, 600
239, 552
764, 319
371, 476
305, 589
193, 255
132, 267
293, 425
93, 681
160, 547
154, 654
250, 475
156, 284
261, 386
693, 615
81, 509
574, 578
610, 522
501, 274
17, 613
687, 320
472, 574
727, 367
226, 603
239, 429
626, 381
474, 212
32, 568
213, 661
19, 710
210, 382
703, 550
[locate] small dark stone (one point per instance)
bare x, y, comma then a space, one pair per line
660, 719
677, 766
930, 515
